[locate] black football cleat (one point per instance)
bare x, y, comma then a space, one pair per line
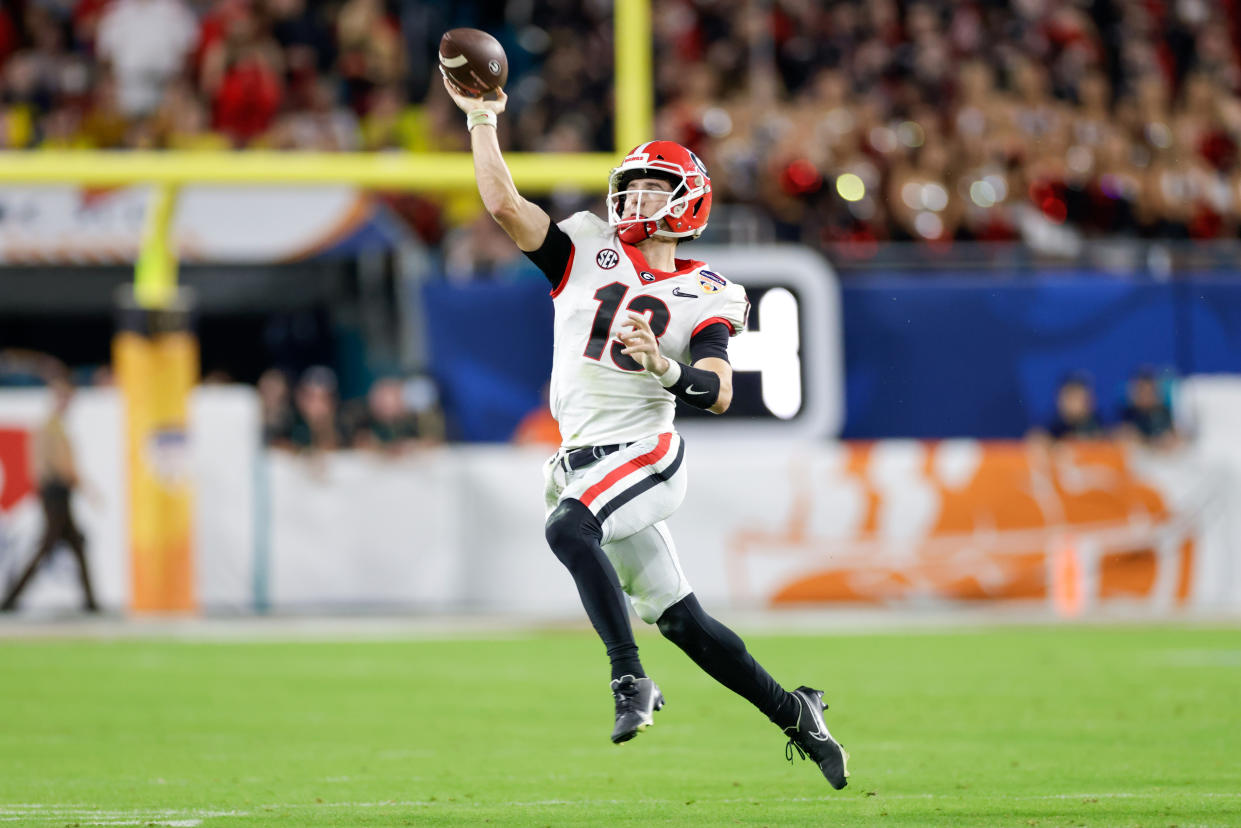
810, 738
637, 699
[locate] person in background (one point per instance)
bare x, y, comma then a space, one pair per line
538, 427
276, 410
146, 43
1146, 417
316, 425
55, 472
389, 424
1076, 414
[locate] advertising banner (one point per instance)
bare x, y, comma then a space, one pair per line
907, 523
1072, 527
67, 224
893, 523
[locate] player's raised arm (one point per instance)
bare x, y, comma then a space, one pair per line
525, 222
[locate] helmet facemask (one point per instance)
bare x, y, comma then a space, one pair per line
673, 204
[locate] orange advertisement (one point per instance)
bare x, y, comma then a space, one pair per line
1074, 525
156, 372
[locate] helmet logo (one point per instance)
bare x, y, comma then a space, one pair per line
607, 259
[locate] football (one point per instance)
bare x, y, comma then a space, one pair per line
472, 61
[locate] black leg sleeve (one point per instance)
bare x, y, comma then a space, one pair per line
573, 533
722, 654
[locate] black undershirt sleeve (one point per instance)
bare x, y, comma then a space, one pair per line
554, 255
711, 341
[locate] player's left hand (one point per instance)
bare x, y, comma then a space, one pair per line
640, 343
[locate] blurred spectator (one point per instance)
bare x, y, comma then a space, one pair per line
422, 396
538, 427
843, 124
316, 423
55, 470
1146, 416
243, 77
321, 126
146, 43
481, 250
371, 53
276, 408
183, 123
1076, 414
304, 32
390, 424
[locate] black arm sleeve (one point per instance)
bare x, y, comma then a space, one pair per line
711, 341
696, 386
554, 255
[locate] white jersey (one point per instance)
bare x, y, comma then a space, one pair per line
600, 396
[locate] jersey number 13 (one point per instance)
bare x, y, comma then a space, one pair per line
609, 298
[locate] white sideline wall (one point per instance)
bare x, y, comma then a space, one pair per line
460, 528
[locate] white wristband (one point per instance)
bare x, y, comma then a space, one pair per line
670, 376
481, 116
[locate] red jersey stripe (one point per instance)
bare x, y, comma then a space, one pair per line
704, 323
649, 459
564, 280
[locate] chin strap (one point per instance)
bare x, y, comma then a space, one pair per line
637, 231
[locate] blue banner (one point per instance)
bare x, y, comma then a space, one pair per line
935, 357
924, 356
491, 352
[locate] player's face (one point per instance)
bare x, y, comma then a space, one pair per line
654, 197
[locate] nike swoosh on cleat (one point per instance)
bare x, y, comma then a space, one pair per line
819, 733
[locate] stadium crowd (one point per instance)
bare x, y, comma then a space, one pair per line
396, 416
846, 123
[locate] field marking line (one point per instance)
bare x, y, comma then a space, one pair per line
170, 823
192, 817
85, 815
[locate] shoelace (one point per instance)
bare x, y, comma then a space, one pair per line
792, 745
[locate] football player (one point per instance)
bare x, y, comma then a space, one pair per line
636, 328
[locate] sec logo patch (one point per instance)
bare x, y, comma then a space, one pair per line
607, 259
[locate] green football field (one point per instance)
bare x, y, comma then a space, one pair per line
1061, 725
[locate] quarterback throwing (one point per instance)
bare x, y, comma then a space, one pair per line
637, 328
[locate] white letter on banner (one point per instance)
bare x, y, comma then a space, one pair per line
773, 352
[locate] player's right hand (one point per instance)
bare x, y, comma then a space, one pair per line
468, 104
640, 343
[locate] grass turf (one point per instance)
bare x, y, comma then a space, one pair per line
989, 727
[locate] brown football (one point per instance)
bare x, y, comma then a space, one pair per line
473, 61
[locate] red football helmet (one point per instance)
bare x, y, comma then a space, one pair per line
684, 216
